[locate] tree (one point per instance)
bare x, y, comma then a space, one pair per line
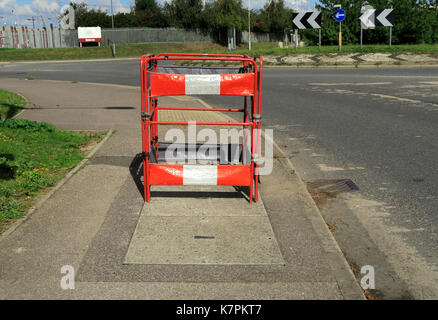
415, 22
222, 14
149, 14
146, 5
350, 26
276, 17
185, 14
84, 17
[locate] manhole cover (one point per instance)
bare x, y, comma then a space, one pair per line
119, 108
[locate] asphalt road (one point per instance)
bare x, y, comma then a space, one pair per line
375, 126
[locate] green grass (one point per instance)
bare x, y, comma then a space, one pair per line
125, 51
136, 50
34, 156
10, 104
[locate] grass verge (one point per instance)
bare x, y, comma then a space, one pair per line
136, 50
33, 157
10, 104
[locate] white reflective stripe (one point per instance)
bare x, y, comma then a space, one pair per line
199, 175
203, 84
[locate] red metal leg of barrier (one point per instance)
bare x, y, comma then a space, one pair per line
256, 189
147, 181
251, 185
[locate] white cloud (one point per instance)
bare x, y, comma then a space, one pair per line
105, 6
45, 5
9, 7
13, 11
296, 4
24, 10
300, 4
6, 4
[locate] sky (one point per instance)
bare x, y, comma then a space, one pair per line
18, 11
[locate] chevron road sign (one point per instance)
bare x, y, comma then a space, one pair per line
307, 20
372, 18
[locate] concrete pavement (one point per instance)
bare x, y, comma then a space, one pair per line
96, 221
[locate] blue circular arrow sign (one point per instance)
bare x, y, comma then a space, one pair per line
339, 15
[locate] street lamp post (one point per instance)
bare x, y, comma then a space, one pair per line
112, 16
112, 31
33, 30
249, 24
44, 33
1, 36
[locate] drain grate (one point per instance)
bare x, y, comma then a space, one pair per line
333, 186
323, 191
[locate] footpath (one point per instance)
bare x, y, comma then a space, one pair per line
121, 248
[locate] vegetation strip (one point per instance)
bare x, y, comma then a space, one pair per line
136, 50
33, 157
10, 104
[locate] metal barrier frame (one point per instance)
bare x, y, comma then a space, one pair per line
168, 174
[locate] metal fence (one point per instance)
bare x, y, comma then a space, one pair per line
260, 37
153, 35
23, 37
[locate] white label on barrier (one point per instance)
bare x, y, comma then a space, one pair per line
203, 84
200, 175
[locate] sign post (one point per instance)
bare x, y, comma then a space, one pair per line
319, 43
340, 36
390, 34
339, 16
249, 25
296, 40
390, 37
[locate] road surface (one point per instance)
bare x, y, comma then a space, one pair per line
375, 126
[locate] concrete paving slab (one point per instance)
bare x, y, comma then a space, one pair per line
204, 240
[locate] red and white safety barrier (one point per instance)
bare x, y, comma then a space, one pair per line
154, 84
193, 84
195, 175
